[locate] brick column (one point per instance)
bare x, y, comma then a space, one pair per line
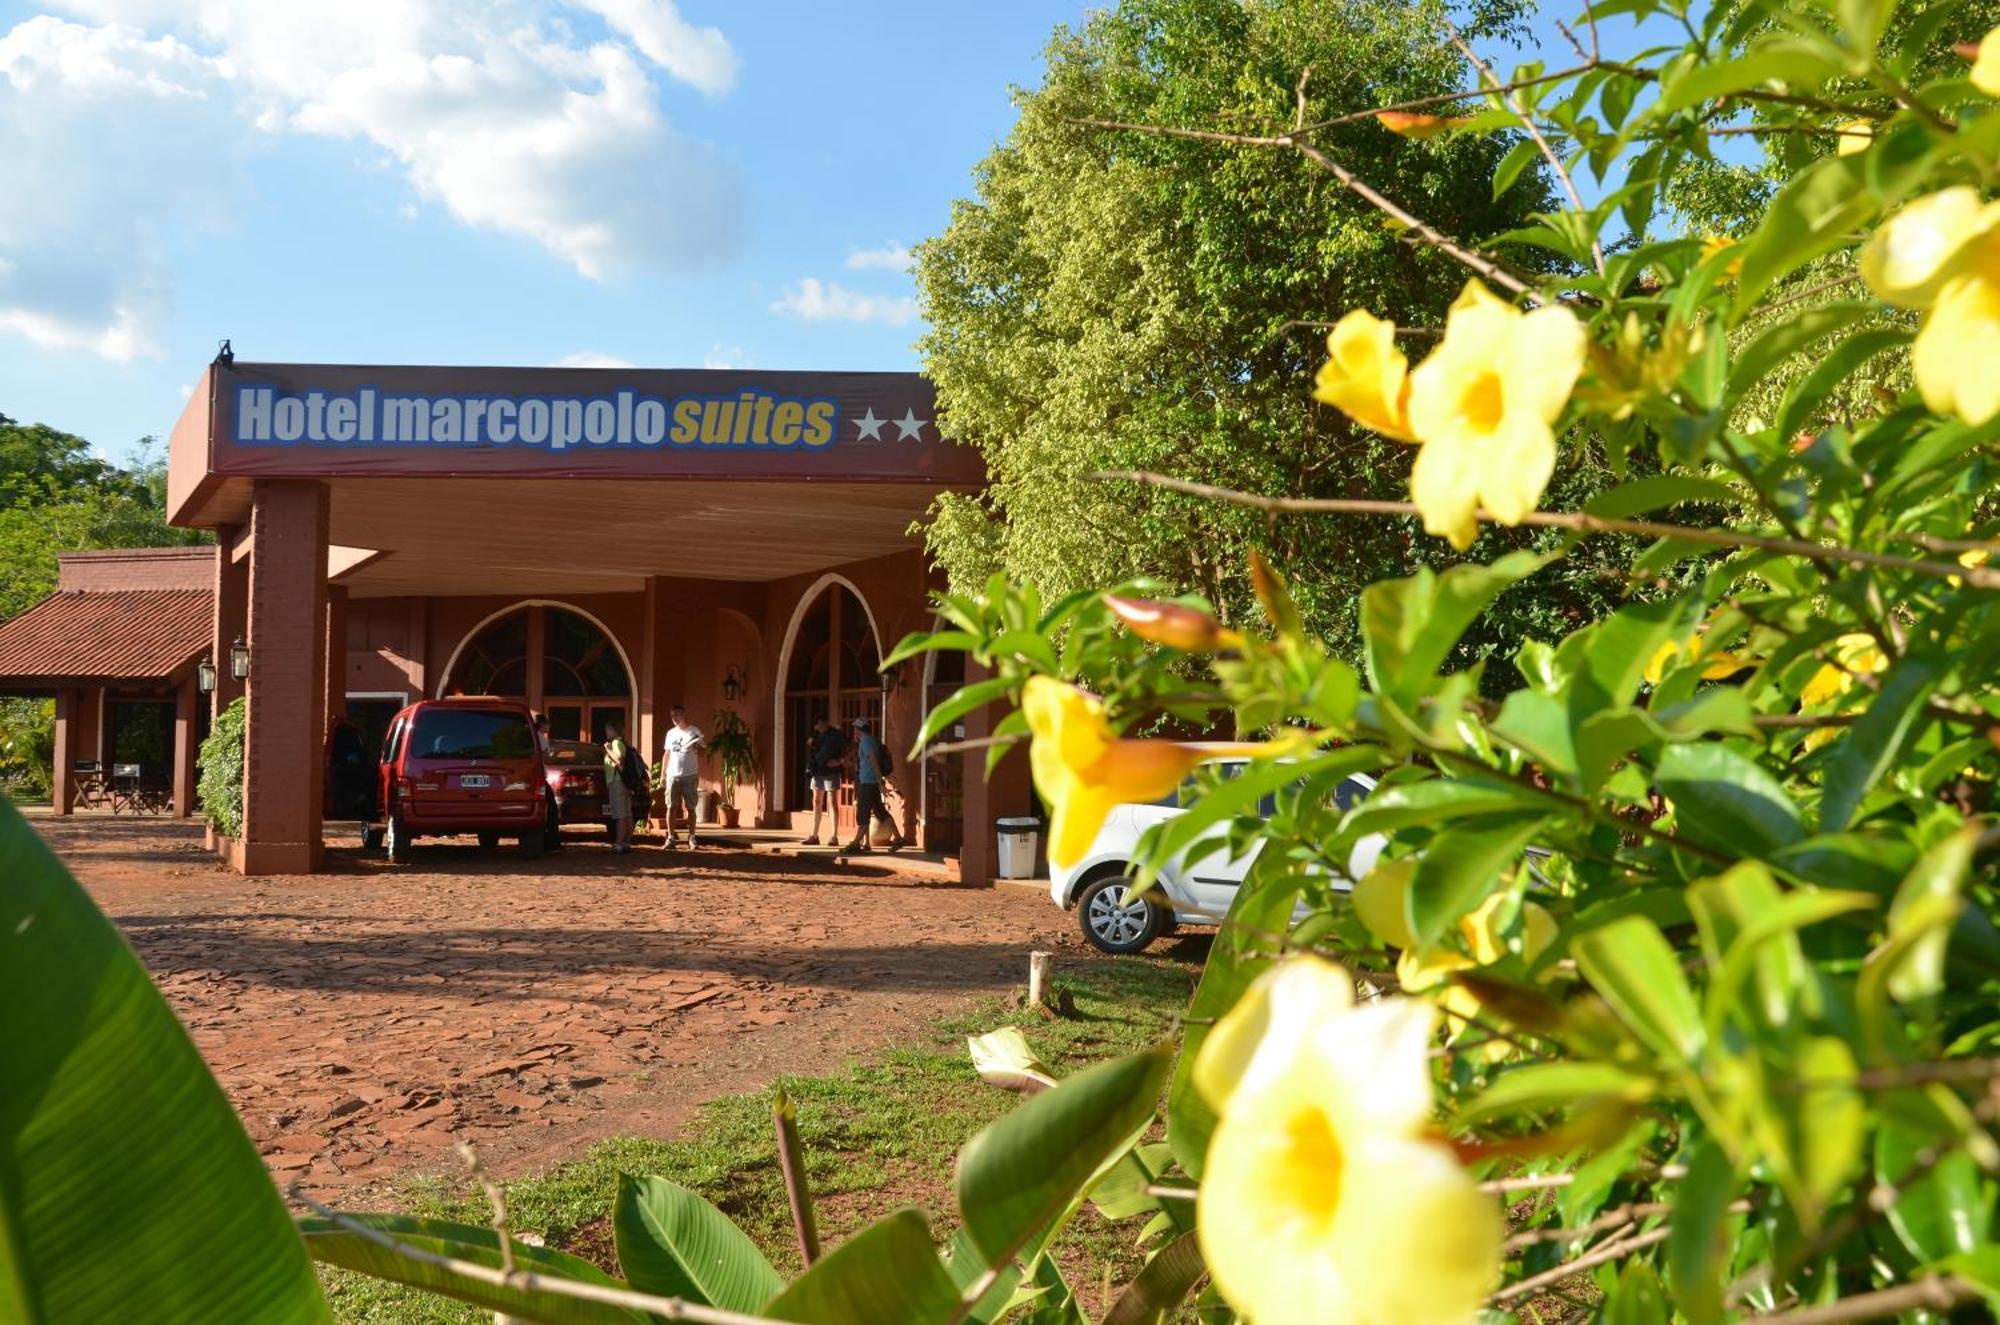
186, 725
232, 603
64, 792
284, 739
648, 723
336, 651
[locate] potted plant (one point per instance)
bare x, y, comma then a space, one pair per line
730, 743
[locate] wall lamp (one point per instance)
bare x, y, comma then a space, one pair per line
239, 659
892, 677
734, 683
204, 674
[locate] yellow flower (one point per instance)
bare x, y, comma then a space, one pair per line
1855, 136
1720, 665
1942, 252
1908, 260
1379, 900
1971, 559
1986, 65
1954, 356
1410, 124
1714, 244
1366, 376
1417, 971
1852, 654
1483, 406
1084, 770
1325, 1200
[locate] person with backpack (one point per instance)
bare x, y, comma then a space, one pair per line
871, 775
624, 771
825, 751
682, 769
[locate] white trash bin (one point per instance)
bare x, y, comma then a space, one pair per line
1018, 839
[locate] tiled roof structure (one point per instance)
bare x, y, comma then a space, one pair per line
122, 634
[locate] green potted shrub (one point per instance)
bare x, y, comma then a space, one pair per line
730, 743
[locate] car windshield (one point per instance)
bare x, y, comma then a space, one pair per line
575, 752
445, 733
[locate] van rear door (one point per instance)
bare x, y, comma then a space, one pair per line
471, 763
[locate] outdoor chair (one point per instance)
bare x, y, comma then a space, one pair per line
91, 788
130, 791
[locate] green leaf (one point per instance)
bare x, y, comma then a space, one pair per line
1161, 1286
1537, 1086
1697, 1245
334, 1244
1865, 751
1409, 626
673, 1243
1241, 793
1833, 370
1461, 867
1727, 801
128, 1189
1436, 802
1630, 963
1941, 872
1537, 725
1638, 1298
1741, 914
961, 702
1511, 165
887, 1274
1943, 1213
1825, 1124
1790, 335
1813, 214
1262, 909
1609, 735
931, 641
1657, 492
1019, 1174
1796, 64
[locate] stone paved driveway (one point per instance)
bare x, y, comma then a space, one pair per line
366, 1019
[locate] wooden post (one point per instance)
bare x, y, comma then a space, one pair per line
1039, 964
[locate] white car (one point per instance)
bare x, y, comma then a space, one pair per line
1199, 890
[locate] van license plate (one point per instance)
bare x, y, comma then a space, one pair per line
470, 780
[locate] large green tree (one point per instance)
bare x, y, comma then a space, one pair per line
1112, 300
56, 496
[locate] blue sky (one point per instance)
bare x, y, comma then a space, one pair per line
223, 179
502, 182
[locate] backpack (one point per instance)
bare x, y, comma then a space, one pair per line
632, 772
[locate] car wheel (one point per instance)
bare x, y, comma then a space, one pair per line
487, 841
531, 845
1113, 926
396, 838
552, 831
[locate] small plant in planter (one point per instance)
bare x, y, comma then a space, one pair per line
730, 743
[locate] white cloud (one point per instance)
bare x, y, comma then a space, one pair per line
591, 359
725, 356
96, 127
889, 257
700, 56
812, 300
120, 127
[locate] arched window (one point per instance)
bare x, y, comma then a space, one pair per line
554, 660
833, 671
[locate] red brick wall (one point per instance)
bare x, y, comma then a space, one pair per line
137, 568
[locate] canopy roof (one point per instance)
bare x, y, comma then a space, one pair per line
105, 636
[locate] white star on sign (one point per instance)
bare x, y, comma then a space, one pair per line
869, 426
909, 426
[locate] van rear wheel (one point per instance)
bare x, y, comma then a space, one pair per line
1112, 925
396, 839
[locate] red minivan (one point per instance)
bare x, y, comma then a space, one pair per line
462, 766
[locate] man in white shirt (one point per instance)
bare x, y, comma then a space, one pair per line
682, 759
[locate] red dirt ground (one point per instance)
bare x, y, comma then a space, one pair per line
366, 1019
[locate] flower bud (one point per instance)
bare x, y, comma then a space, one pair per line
1174, 625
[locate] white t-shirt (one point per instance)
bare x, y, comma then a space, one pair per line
681, 756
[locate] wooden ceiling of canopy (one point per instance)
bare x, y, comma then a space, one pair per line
514, 536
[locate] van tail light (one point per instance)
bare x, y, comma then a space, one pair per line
405, 786
560, 782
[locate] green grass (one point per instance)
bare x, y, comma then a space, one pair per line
878, 1135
